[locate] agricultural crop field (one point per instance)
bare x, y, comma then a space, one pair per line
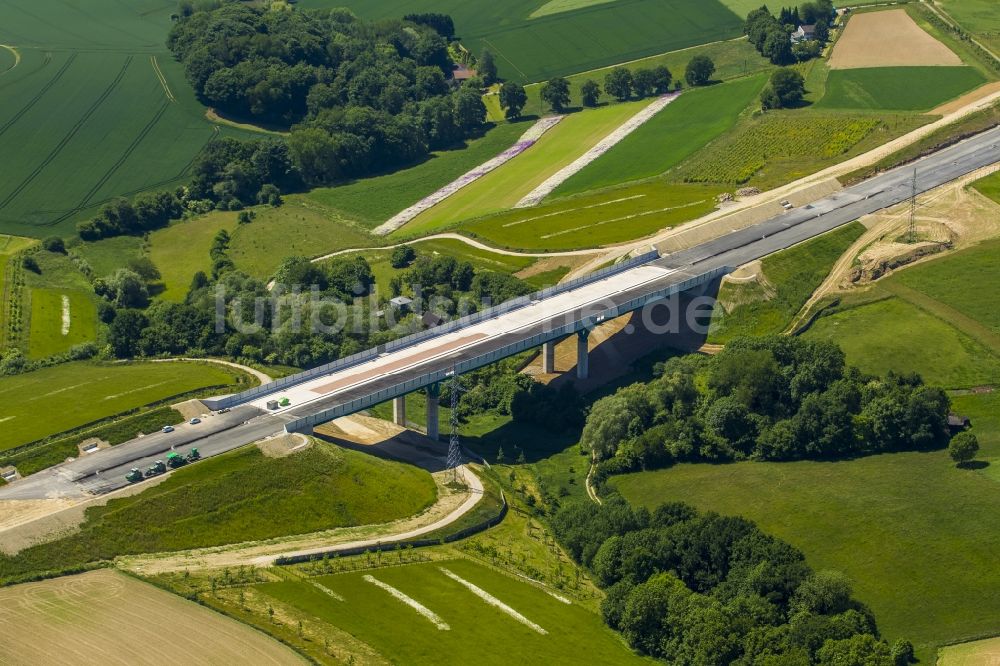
682, 128
83, 73
938, 318
767, 307
779, 147
976, 653
593, 220
372, 201
111, 617
504, 187
535, 40
909, 529
734, 58
74, 394
416, 613
897, 88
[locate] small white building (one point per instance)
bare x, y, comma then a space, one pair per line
805, 33
401, 302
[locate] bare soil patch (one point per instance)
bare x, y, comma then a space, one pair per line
888, 39
980, 93
105, 617
284, 445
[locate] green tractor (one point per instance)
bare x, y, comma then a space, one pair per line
194, 455
175, 460
156, 469
134, 476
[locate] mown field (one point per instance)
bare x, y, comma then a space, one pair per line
52, 400
49, 334
563, 632
979, 17
976, 653
504, 187
989, 186
565, 42
372, 201
768, 305
685, 126
120, 619
897, 88
593, 220
938, 319
95, 109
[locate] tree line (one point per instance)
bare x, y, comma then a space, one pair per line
774, 398
771, 35
700, 589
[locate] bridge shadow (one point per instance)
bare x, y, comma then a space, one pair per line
385, 440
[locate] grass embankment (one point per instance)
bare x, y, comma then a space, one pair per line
989, 186
53, 400
372, 201
675, 133
938, 318
912, 531
240, 496
768, 305
503, 188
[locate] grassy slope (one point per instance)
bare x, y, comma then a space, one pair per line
372, 201
504, 187
592, 220
976, 16
181, 250
688, 124
897, 88
399, 634
989, 186
46, 337
73, 394
108, 255
559, 44
793, 274
244, 496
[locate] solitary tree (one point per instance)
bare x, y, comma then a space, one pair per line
788, 88
590, 93
488, 68
618, 83
699, 70
512, 99
555, 93
963, 448
402, 256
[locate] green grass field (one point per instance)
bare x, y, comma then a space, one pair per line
241, 496
534, 49
989, 186
778, 147
685, 126
108, 255
897, 88
790, 278
979, 17
593, 220
97, 108
913, 532
734, 58
181, 250
398, 633
503, 188
372, 201
52, 400
49, 335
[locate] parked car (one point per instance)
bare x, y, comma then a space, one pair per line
168, 428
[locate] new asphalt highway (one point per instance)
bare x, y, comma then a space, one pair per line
342, 392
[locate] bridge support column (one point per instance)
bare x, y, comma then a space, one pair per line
433, 425
399, 411
582, 355
549, 357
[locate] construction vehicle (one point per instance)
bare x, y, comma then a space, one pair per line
284, 402
157, 468
194, 455
134, 476
175, 460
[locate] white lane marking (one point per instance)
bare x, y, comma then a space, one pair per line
409, 601
328, 591
493, 601
65, 315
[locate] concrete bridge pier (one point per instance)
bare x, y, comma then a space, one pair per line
582, 355
433, 399
399, 411
549, 357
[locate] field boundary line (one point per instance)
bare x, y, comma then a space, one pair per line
163, 79
69, 136
434, 618
493, 601
34, 100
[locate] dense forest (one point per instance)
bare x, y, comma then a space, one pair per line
775, 398
361, 97
695, 589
